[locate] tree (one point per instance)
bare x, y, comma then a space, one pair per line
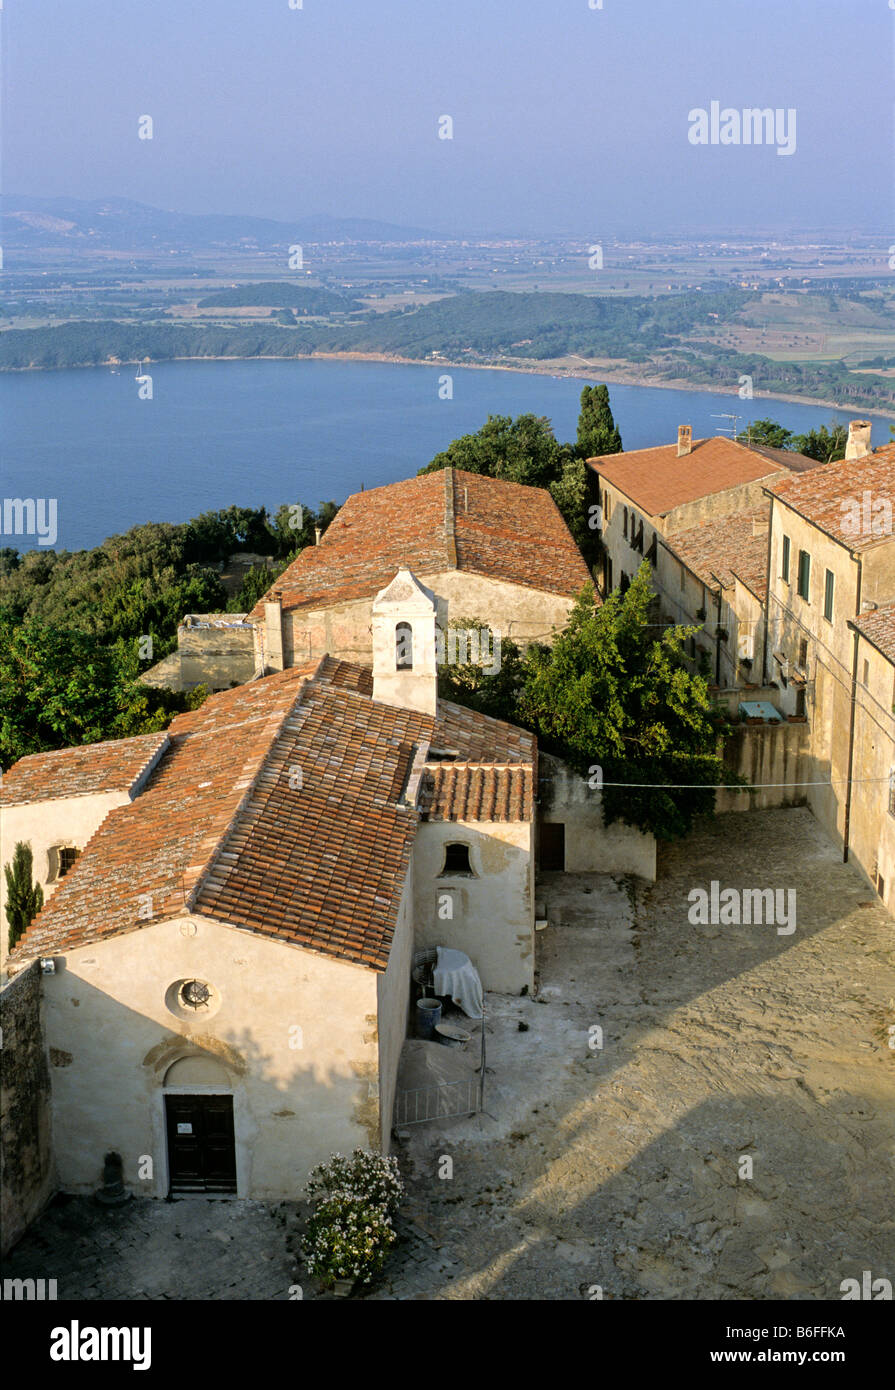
597, 430
825, 445
766, 432
619, 703
524, 450
60, 688
23, 899
468, 682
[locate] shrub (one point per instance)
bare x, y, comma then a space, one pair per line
351, 1229
367, 1175
349, 1238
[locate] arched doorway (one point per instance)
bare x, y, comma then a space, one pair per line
199, 1127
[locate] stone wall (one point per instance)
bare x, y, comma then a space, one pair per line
213, 649
777, 756
591, 846
27, 1179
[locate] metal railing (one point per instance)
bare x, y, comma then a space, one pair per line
447, 1100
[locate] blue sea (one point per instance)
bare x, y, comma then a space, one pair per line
259, 433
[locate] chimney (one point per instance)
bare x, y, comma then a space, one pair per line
317, 534
858, 445
684, 440
760, 525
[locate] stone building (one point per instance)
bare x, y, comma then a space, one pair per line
648, 494
870, 811
715, 575
831, 568
55, 802
231, 951
490, 550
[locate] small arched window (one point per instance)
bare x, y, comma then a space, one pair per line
404, 647
456, 860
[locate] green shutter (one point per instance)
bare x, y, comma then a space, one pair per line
828, 596
804, 573
785, 571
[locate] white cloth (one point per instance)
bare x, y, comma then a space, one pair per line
457, 978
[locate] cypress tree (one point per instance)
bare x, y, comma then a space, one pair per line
23, 899
597, 431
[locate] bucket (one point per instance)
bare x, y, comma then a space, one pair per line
451, 1035
428, 1014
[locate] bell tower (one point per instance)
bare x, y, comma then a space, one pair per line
405, 668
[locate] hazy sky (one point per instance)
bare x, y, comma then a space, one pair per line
566, 118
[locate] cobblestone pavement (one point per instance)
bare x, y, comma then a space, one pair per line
613, 1168
193, 1248
617, 1169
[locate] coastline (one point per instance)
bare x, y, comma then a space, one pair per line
585, 373
599, 374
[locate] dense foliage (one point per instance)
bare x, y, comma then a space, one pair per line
281, 295
616, 699
77, 629
825, 445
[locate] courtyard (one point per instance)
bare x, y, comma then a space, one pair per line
680, 1112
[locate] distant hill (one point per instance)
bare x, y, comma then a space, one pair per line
119, 224
279, 294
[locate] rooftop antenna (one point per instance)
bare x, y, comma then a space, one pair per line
727, 429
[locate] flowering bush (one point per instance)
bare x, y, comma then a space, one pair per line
367, 1175
351, 1229
349, 1238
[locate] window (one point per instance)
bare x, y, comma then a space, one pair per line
404, 647
683, 577
66, 856
784, 568
866, 671
804, 574
456, 859
607, 505
801, 704
803, 652
625, 522
828, 595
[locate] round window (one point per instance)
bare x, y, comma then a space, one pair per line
190, 998
195, 994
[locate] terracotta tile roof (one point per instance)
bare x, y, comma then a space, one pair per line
829, 494
280, 807
786, 458
114, 766
473, 792
878, 627
726, 547
657, 481
442, 521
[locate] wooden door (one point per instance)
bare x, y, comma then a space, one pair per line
201, 1143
